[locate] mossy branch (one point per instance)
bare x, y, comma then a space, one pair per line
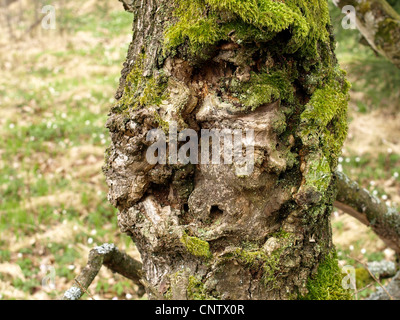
379, 23
369, 210
112, 258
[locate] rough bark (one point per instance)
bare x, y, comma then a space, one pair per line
379, 23
369, 210
203, 231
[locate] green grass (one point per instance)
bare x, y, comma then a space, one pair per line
53, 141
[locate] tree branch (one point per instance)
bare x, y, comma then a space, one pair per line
368, 209
379, 23
112, 258
392, 290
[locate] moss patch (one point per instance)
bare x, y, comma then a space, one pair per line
323, 122
327, 283
140, 90
196, 246
196, 290
205, 22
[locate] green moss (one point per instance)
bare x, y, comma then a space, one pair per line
324, 120
196, 246
196, 290
203, 23
363, 278
163, 125
327, 283
140, 90
318, 174
268, 264
323, 130
262, 88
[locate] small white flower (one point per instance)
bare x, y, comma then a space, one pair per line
340, 159
389, 150
358, 159
93, 232
90, 240
396, 174
351, 248
384, 197
12, 125
340, 168
347, 160
339, 253
115, 298
32, 138
75, 228
336, 214
372, 183
363, 251
63, 115
375, 192
87, 122
1, 296
128, 296
71, 267
19, 255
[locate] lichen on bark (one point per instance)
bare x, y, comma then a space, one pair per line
205, 231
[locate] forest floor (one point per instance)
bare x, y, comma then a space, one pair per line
56, 88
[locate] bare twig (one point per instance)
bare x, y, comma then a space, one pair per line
373, 276
112, 258
369, 210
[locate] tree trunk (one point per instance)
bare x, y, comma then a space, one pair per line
209, 231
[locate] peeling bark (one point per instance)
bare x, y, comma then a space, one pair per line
379, 23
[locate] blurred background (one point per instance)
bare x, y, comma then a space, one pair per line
56, 87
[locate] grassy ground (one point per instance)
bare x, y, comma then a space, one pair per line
55, 92
56, 88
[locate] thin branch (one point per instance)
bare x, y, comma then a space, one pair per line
373, 276
393, 288
369, 210
112, 258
